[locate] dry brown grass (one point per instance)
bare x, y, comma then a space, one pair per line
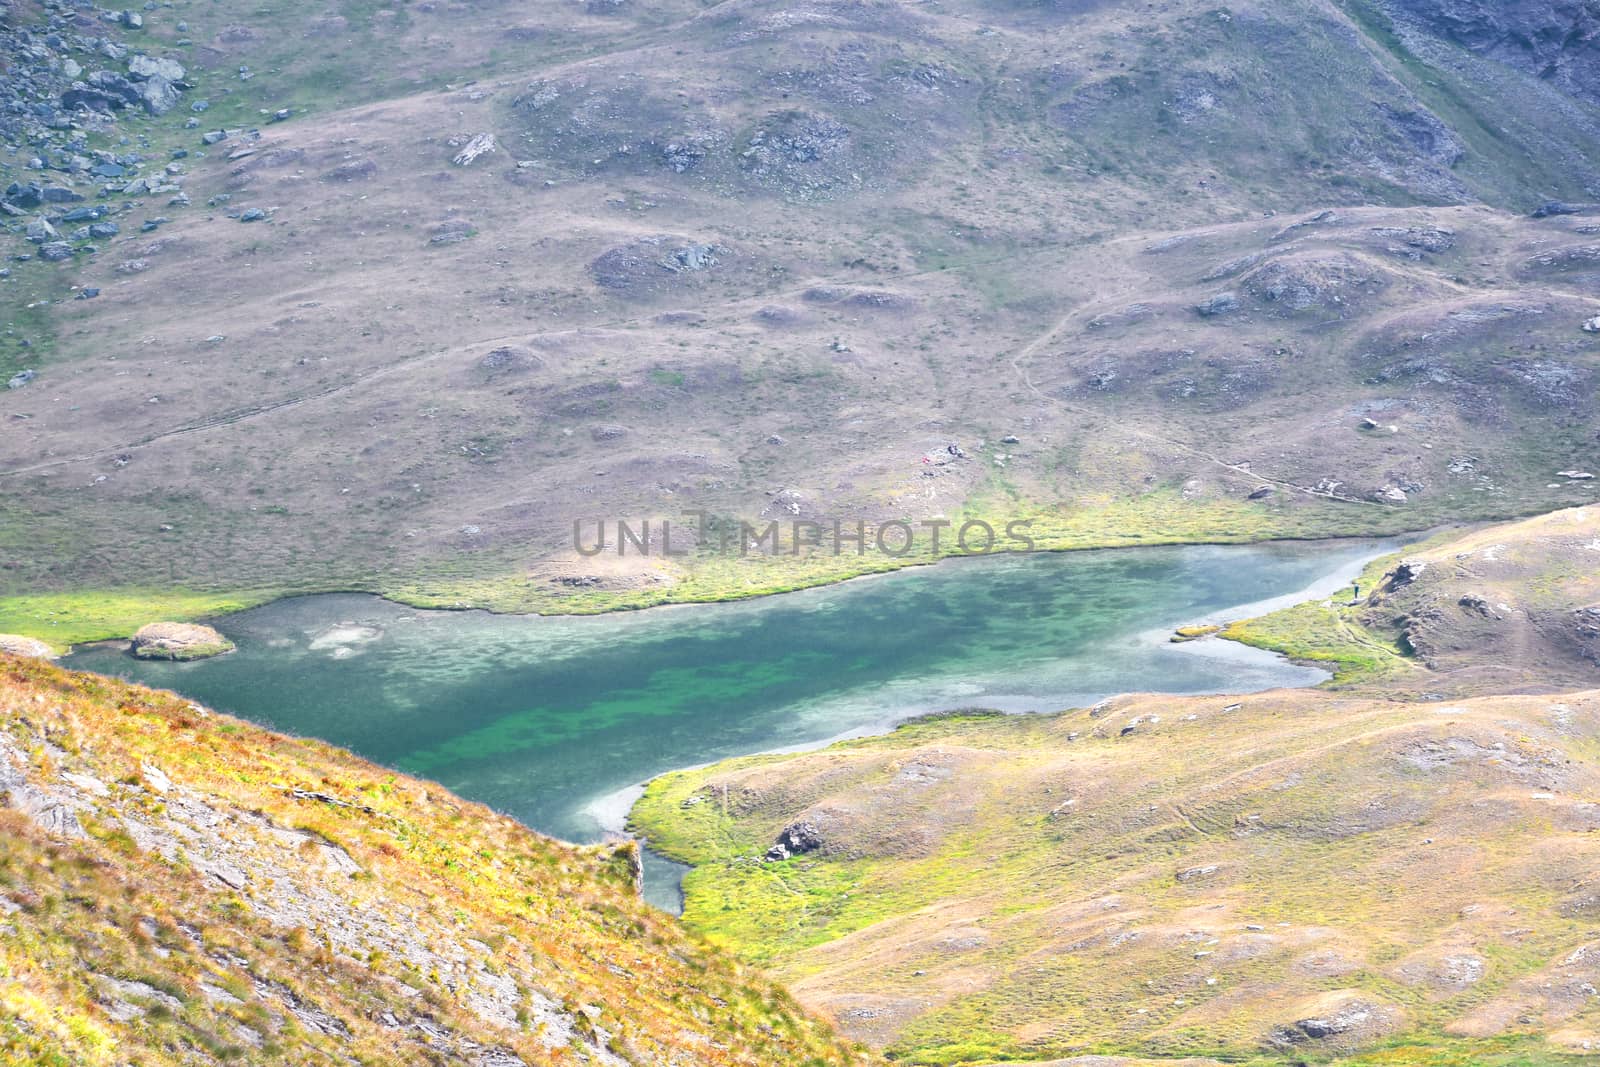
382, 909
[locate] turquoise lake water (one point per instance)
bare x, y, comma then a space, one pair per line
552, 720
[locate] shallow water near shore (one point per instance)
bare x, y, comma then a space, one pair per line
553, 719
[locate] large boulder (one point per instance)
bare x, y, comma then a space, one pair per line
158, 95
30, 647
142, 68
179, 641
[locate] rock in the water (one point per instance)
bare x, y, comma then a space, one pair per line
31, 647
179, 641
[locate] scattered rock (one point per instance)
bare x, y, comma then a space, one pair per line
39, 231
1558, 207
481, 145
696, 257
1218, 305
450, 231
1346, 1020
356, 170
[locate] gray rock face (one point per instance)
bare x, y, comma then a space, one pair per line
1217, 306
158, 95
142, 68
1554, 40
39, 230
648, 265
795, 840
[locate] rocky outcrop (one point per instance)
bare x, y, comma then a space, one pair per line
653, 265
30, 647
1342, 1020
796, 840
179, 641
1553, 40
223, 908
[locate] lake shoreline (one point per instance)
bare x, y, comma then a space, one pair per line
251, 602
70, 620
613, 811
559, 722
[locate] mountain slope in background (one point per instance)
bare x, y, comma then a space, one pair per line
181, 887
761, 260
1399, 872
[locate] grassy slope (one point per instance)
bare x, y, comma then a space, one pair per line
442, 904
984, 873
1330, 633
1101, 152
1022, 934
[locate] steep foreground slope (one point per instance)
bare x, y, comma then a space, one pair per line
763, 259
178, 887
1401, 873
